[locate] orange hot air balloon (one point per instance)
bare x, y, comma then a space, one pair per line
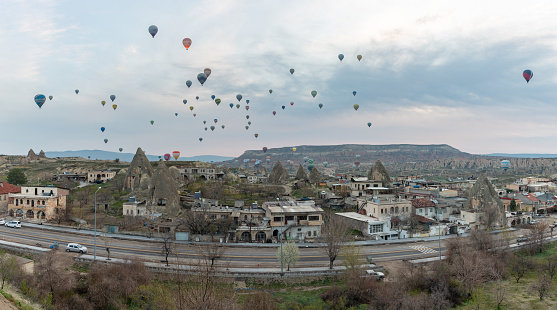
176, 154
187, 43
207, 71
191, 108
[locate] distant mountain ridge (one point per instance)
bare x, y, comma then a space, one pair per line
106, 155
347, 153
523, 155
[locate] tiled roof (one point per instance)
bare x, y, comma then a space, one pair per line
422, 203
6, 188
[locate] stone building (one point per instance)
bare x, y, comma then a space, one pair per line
37, 203
101, 176
5, 189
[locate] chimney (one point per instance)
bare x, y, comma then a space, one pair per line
1, 184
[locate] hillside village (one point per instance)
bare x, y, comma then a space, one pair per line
206, 202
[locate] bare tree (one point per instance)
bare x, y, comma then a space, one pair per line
198, 222
499, 294
8, 267
351, 255
519, 266
211, 252
334, 233
167, 246
551, 267
537, 235
542, 285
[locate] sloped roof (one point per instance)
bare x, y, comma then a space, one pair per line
422, 203
6, 188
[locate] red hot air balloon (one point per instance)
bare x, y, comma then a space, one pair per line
264, 149
274, 112
167, 157
207, 71
187, 43
176, 154
528, 74
292, 103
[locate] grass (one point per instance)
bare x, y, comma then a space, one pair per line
19, 304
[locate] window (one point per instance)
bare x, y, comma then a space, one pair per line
213, 216
224, 216
302, 217
375, 228
309, 233
381, 211
128, 212
314, 217
277, 218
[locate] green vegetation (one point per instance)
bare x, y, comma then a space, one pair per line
19, 304
16, 176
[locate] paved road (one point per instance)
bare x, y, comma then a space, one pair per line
234, 256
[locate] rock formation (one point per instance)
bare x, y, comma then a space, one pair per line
278, 174
301, 174
42, 154
314, 175
139, 172
484, 199
31, 155
163, 191
378, 172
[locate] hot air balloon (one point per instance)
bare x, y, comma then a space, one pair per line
176, 114
268, 159
247, 116
294, 149
200, 139
264, 149
50, 97
270, 91
77, 91
247, 101
325, 163
212, 128
213, 97
313, 93
153, 30
231, 105
283, 107
217, 101
239, 97
320, 105
247, 127
187, 43
191, 108
222, 126
103, 103
188, 83
215, 120
256, 135
40, 99
356, 107
112, 97
354, 93
358, 156
102, 129
311, 166
152, 122
207, 71
306, 159
357, 164
310, 161
196, 97
274, 112
249, 123
291, 102
120, 149
359, 57
167, 157
291, 71
176, 154
369, 124
185, 101
341, 57
247, 107
194, 114
114, 106
237, 105
105, 140
505, 164
204, 122
206, 128
528, 74
202, 77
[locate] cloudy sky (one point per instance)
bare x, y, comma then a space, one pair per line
432, 72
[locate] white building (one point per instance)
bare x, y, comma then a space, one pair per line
370, 226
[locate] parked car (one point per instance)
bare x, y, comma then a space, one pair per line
13, 224
375, 274
76, 247
522, 238
2, 222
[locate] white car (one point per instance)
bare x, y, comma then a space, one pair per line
13, 224
375, 274
2, 222
76, 247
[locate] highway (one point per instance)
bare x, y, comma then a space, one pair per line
235, 255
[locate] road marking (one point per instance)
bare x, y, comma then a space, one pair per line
423, 249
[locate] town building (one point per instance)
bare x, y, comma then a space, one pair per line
358, 186
138, 208
296, 220
5, 189
381, 208
200, 173
37, 202
101, 176
370, 227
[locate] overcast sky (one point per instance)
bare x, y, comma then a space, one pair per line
432, 72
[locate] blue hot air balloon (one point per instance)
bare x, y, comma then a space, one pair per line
112, 97
341, 57
215, 120
325, 163
105, 140
40, 99
153, 30
202, 77
213, 97
188, 83
528, 74
354, 93
283, 107
185, 101
369, 124
50, 97
102, 129
200, 139
505, 164
249, 123
212, 128
120, 149
231, 105
176, 114
320, 105
239, 97
77, 91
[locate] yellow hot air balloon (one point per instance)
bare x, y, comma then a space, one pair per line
191, 108
356, 107
294, 149
103, 103
359, 57
114, 106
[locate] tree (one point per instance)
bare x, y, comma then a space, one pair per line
542, 285
519, 266
16, 176
167, 246
334, 235
290, 254
537, 235
211, 252
8, 267
351, 255
513, 205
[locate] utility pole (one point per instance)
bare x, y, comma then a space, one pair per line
95, 248
280, 236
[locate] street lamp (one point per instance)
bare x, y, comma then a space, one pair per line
439, 229
95, 247
280, 236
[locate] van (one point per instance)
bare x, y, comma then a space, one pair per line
13, 224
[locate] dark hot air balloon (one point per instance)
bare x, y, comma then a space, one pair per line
40, 99
291, 71
341, 57
188, 83
102, 129
112, 97
202, 77
153, 30
528, 75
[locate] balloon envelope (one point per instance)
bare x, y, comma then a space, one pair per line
249, 123
103, 103
270, 91
247, 100
359, 57
222, 126
283, 107
185, 101
320, 105
191, 108
202, 77
341, 57
50, 97
239, 97
196, 97
528, 74
237, 105
153, 30
354, 93
264, 149
291, 71
274, 112
77, 91
256, 135
188, 83
114, 106
200, 139
292, 103
176, 114
212, 128
152, 122
247, 127
217, 101
313, 93
102, 129
231, 105
505, 164
105, 140
325, 163
294, 149
166, 156
356, 107
247, 107
369, 124
215, 120
120, 149
40, 99
187, 43
176, 154
213, 97
112, 97
207, 71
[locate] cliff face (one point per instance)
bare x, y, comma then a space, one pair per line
31, 155
163, 191
484, 199
278, 174
378, 172
301, 174
139, 172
